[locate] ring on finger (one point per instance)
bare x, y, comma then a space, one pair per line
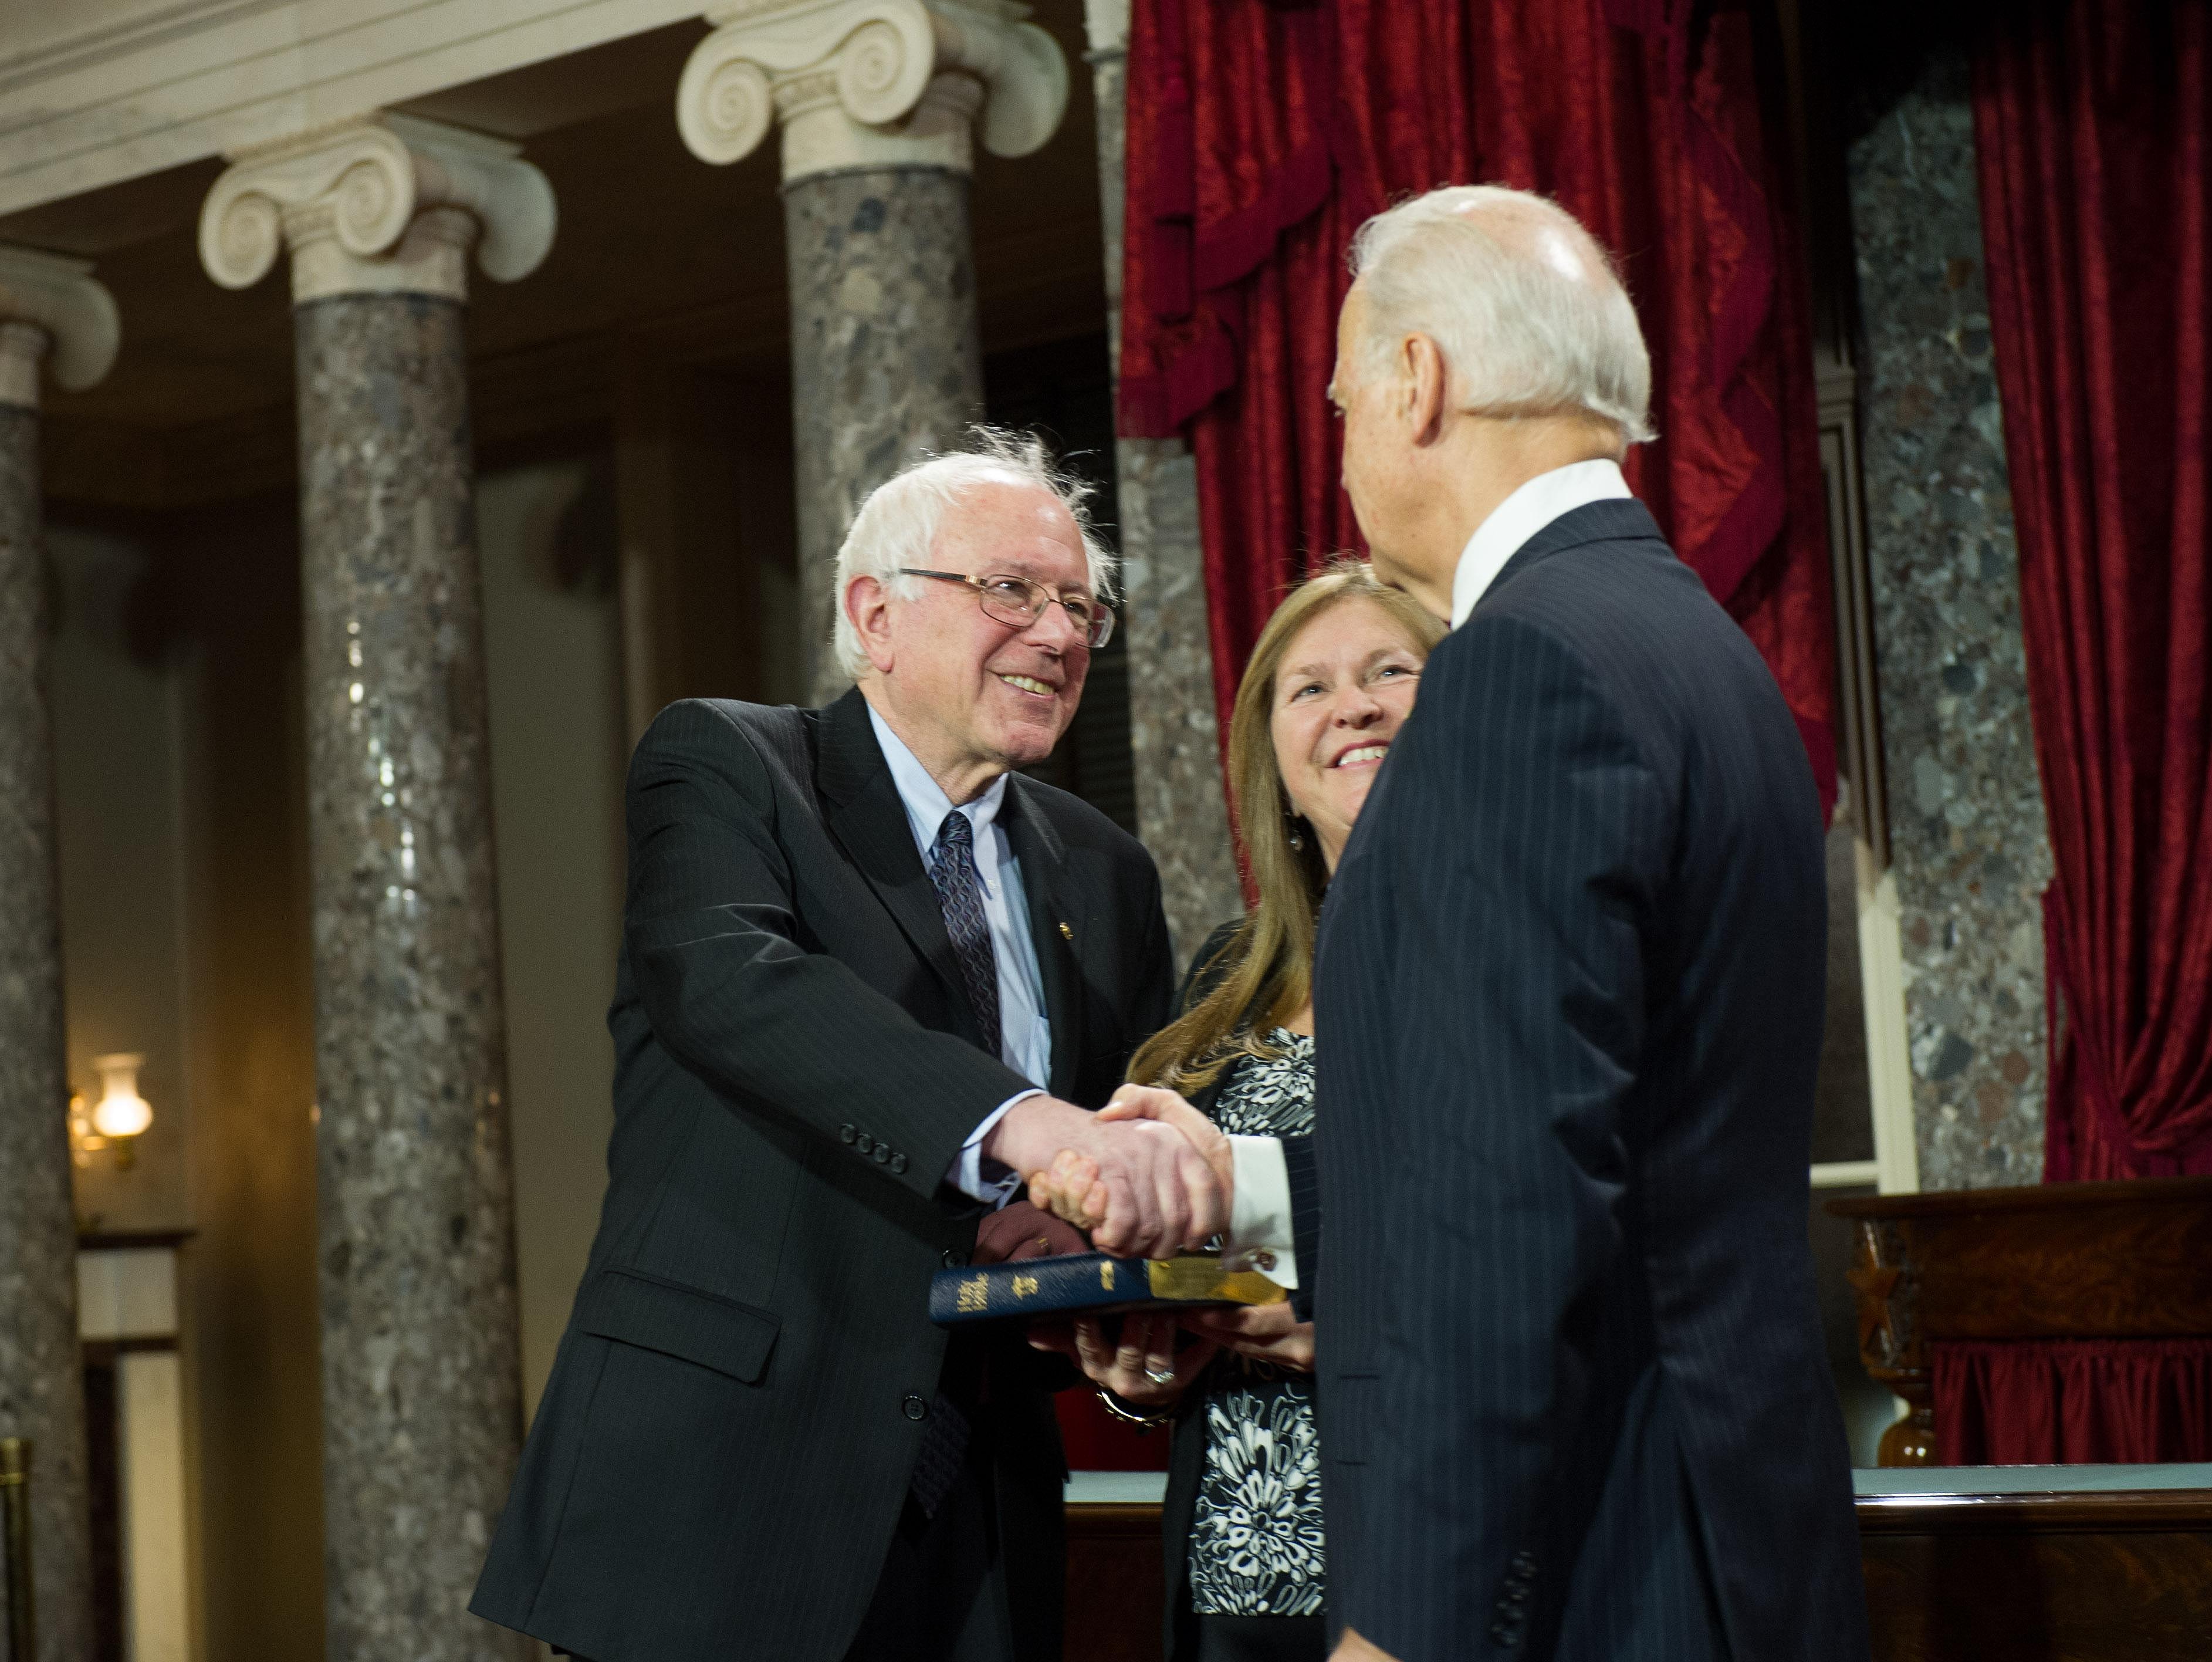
1161, 1376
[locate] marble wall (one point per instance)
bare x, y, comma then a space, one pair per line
1174, 739
885, 360
1970, 848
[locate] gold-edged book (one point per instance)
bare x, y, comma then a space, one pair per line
1090, 1283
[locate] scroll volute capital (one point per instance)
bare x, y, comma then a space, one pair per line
384, 203
872, 82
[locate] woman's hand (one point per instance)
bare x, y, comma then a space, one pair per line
1268, 1332
1144, 1368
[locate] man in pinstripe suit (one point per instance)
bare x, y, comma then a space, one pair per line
1574, 1402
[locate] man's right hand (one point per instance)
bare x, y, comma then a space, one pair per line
1156, 1193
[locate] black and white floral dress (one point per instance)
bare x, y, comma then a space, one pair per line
1255, 1537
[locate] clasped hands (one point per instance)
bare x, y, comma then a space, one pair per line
1148, 1175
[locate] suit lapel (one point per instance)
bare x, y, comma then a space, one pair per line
863, 812
1056, 925
1617, 519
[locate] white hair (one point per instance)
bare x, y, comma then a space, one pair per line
1523, 330
897, 525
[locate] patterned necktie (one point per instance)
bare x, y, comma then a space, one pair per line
960, 897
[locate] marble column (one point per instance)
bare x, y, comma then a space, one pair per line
1969, 845
879, 102
47, 306
1175, 741
422, 1397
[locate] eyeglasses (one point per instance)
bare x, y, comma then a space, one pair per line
1019, 601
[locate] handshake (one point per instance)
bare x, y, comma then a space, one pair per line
1148, 1175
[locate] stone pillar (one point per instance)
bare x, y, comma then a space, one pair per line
1175, 742
45, 304
879, 100
421, 1394
1968, 842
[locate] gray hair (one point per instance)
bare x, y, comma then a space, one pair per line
898, 523
1519, 335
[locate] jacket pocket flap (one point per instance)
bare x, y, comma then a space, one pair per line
688, 1323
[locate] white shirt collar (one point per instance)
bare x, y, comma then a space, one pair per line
926, 804
1521, 516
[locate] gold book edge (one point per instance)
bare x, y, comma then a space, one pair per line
1199, 1280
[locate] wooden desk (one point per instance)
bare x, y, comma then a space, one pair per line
2060, 1261
2039, 1563
1963, 1564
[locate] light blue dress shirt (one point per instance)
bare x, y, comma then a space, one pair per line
1024, 1029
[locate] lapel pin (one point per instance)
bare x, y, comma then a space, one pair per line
1067, 934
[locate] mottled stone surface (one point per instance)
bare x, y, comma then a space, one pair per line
1970, 848
1182, 814
41, 1386
885, 361
422, 1402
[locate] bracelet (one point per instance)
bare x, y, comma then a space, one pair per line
1128, 1415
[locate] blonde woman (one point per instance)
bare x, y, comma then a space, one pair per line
1330, 682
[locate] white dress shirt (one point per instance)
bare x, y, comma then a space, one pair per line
1261, 1209
1024, 1029
1521, 516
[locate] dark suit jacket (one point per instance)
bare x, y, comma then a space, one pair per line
1574, 1400
732, 1421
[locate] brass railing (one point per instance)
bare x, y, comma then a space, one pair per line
16, 1548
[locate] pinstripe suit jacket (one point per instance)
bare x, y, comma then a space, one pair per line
727, 1437
1574, 1403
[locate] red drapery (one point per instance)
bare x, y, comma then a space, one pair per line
2066, 1401
1262, 135
2092, 125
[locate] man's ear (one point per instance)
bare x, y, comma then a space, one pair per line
1423, 388
868, 609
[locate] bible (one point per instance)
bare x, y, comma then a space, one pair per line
1091, 1284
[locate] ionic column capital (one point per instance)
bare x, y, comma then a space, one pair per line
48, 303
385, 205
871, 83
1106, 25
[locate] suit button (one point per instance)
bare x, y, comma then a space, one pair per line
913, 1407
1524, 1565
864, 1142
898, 1162
846, 1133
955, 1258
882, 1155
1504, 1635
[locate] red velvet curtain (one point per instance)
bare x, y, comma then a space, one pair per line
2066, 1401
1260, 136
2091, 123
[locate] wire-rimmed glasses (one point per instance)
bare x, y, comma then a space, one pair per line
1018, 601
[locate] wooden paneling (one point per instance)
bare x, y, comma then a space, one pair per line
2116, 1577
2123, 1576
2071, 1261
1113, 1585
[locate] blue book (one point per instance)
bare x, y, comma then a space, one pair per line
1090, 1283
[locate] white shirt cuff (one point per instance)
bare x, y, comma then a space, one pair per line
967, 1173
1260, 1231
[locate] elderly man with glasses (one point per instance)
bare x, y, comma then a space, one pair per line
868, 972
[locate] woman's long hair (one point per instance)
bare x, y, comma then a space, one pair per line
1264, 974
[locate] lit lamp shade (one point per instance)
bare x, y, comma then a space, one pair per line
120, 1111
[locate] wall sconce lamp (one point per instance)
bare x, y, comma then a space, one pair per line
120, 1116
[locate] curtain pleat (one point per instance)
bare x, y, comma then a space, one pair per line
1262, 135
